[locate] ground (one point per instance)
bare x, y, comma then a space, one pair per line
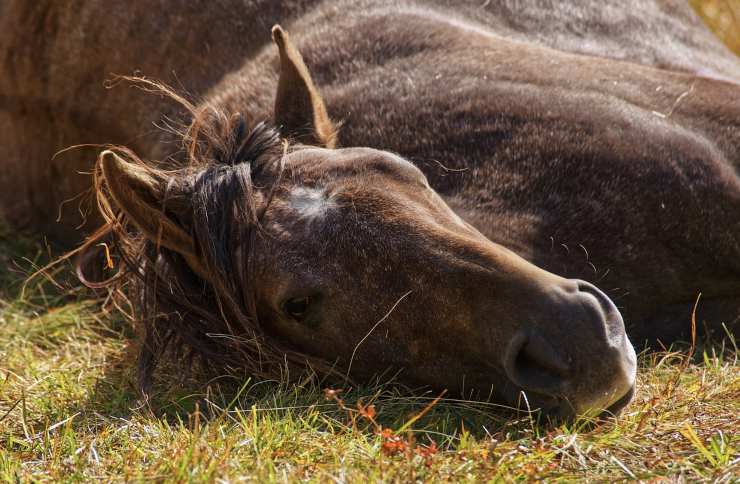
69, 410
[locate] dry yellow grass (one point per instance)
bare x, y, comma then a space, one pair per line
723, 17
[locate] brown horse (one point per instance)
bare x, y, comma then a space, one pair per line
517, 143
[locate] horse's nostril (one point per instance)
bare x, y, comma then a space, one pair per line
588, 288
610, 319
533, 364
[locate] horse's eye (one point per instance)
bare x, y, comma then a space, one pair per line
296, 307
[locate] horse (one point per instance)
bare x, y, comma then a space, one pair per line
457, 192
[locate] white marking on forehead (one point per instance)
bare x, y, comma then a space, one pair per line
310, 202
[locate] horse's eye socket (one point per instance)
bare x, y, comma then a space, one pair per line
296, 307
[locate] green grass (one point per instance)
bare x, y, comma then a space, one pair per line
69, 411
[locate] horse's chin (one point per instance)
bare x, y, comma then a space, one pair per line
554, 409
541, 405
616, 407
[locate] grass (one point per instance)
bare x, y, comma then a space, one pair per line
69, 411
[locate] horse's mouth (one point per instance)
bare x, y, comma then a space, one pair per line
616, 407
557, 409
541, 404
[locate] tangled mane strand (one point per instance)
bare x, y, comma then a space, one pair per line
212, 196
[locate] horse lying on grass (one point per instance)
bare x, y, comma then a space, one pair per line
440, 199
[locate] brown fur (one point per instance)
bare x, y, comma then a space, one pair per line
593, 148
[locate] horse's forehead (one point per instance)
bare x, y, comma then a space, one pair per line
322, 182
310, 203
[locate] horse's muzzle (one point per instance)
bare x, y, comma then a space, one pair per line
579, 361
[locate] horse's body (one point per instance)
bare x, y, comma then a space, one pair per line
598, 142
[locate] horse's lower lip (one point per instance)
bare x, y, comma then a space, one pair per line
617, 406
538, 402
554, 411
559, 409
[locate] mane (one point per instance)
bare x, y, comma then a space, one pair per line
178, 312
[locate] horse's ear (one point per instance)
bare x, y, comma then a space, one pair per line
299, 109
141, 196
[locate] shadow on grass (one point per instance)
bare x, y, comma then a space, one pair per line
178, 394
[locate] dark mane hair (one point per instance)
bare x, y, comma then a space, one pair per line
214, 322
